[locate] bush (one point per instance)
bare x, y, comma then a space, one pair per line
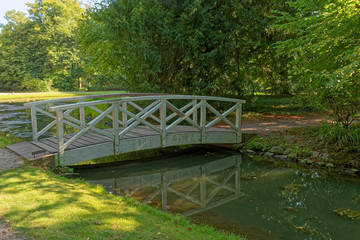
339, 135
256, 144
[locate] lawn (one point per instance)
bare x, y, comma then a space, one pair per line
42, 205
284, 105
48, 95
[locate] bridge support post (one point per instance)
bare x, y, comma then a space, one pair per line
34, 123
124, 115
163, 122
82, 114
164, 192
203, 120
195, 114
237, 174
238, 123
115, 119
60, 136
203, 187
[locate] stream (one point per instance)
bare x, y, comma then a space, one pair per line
228, 191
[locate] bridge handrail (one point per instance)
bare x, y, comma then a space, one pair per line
144, 98
79, 98
39, 106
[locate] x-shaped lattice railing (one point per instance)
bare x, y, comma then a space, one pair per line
160, 114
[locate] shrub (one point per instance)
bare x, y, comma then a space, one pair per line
256, 144
339, 135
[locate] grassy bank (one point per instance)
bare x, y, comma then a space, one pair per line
329, 147
44, 206
7, 139
48, 95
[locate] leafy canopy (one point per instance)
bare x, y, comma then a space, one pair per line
39, 52
178, 46
324, 46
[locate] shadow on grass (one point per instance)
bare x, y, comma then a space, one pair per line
45, 206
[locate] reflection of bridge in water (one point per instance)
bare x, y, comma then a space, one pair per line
189, 190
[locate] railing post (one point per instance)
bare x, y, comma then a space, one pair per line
164, 191
237, 174
34, 123
163, 122
60, 136
115, 116
203, 187
203, 120
195, 113
238, 123
124, 115
82, 114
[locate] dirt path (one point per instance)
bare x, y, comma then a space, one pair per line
270, 123
9, 160
6, 232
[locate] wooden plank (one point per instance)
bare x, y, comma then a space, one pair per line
132, 135
92, 137
44, 146
101, 138
87, 138
74, 144
52, 142
83, 141
146, 131
26, 150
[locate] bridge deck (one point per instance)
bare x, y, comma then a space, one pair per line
48, 146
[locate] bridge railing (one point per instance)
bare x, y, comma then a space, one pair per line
116, 117
40, 109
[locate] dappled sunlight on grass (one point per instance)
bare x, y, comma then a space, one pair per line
45, 206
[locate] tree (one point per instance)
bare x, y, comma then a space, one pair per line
178, 46
13, 50
39, 53
325, 53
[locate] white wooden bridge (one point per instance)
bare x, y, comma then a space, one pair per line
103, 125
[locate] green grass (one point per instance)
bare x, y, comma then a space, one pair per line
270, 104
7, 139
46, 95
42, 205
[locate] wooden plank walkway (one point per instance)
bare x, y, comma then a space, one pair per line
48, 147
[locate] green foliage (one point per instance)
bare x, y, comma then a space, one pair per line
338, 135
7, 139
277, 104
38, 52
323, 46
197, 47
256, 144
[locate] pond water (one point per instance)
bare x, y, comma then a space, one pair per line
238, 194
227, 191
15, 119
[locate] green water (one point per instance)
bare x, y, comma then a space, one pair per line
239, 195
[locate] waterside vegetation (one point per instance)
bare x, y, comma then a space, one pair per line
329, 147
